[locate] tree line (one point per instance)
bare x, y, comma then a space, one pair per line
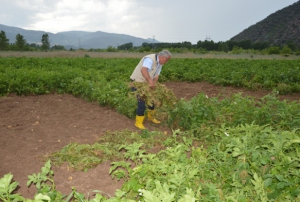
201, 46
21, 43
206, 46
210, 45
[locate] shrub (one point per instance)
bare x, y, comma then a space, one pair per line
274, 50
286, 51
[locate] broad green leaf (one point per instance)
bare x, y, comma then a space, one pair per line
281, 185
41, 197
268, 182
236, 153
280, 177
263, 160
12, 187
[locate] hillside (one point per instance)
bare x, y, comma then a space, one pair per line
74, 39
278, 28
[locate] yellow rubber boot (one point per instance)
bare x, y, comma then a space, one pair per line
151, 118
139, 122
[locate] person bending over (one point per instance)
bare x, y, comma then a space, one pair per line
148, 70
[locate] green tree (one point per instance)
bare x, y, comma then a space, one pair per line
260, 45
286, 50
186, 44
20, 42
236, 50
223, 47
291, 45
245, 44
58, 47
111, 49
34, 46
274, 50
207, 45
126, 46
45, 42
4, 41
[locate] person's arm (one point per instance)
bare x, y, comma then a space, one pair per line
155, 79
147, 77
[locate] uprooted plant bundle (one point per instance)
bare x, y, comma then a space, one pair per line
161, 97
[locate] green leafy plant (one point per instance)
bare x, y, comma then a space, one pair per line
45, 184
221, 149
7, 187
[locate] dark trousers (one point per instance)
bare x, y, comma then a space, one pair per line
141, 105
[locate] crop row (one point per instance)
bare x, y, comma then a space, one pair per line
106, 82
282, 75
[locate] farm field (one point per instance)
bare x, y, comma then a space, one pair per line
35, 126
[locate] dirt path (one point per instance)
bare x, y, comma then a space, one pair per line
33, 126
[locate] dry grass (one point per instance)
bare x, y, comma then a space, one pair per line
76, 54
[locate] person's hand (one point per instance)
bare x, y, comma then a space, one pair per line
151, 84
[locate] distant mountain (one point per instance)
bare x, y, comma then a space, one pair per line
74, 39
278, 28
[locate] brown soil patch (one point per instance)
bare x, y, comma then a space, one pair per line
33, 126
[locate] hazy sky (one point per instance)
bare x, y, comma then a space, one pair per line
164, 20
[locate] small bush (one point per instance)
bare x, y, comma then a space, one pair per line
286, 51
274, 50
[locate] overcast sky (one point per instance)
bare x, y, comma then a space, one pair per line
164, 20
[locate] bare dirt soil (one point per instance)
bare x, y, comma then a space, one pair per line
34, 126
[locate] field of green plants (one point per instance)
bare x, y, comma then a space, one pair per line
229, 149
